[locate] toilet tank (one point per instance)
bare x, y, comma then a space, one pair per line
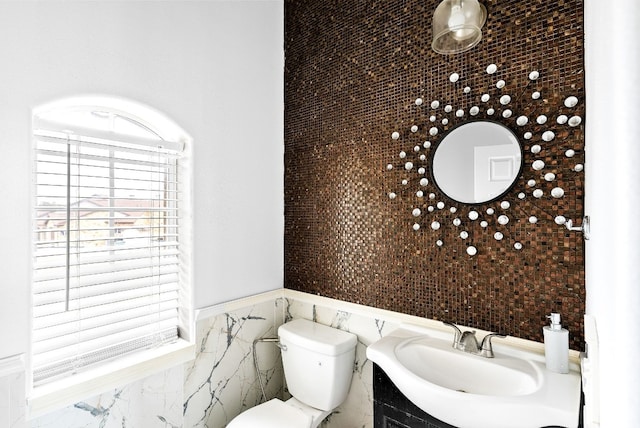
318, 362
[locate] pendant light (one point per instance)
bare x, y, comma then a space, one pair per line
457, 25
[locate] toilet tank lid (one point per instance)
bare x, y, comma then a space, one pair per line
317, 337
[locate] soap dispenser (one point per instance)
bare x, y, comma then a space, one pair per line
556, 345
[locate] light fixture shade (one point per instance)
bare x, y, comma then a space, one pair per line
457, 25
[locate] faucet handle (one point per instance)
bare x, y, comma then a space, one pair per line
457, 332
486, 349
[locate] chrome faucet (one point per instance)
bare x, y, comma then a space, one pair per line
467, 341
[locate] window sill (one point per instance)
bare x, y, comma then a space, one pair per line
72, 389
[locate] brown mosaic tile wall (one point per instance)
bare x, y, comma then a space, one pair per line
353, 71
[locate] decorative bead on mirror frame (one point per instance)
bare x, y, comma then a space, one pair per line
431, 211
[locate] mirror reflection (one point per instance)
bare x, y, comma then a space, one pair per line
477, 162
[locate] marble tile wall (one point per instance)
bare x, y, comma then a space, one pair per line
205, 393
221, 381
153, 402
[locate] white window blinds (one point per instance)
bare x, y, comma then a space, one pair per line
107, 258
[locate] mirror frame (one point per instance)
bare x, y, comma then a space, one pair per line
516, 178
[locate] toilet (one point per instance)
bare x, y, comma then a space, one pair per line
318, 366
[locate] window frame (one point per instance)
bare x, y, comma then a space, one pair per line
125, 369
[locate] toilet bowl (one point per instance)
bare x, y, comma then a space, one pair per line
279, 414
318, 367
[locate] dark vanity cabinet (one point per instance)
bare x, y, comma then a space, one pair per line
391, 409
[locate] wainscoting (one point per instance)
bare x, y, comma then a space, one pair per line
12, 392
221, 381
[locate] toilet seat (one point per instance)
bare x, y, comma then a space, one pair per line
272, 414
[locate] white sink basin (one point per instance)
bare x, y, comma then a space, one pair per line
435, 361
512, 390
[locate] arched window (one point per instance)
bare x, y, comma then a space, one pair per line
111, 229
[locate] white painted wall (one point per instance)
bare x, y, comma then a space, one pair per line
612, 200
214, 67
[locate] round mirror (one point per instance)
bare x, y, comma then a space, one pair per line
477, 162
